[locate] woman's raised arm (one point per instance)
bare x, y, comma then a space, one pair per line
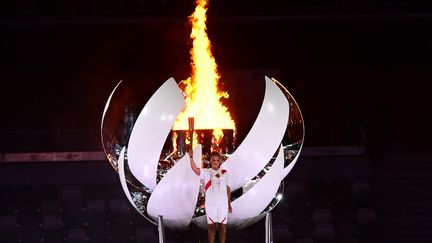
192, 163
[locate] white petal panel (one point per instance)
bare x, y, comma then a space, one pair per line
254, 201
263, 139
104, 112
176, 195
108, 102
249, 221
123, 182
151, 130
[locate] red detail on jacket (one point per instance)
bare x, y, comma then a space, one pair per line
208, 184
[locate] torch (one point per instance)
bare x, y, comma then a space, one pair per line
191, 131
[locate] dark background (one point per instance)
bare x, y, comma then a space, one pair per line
366, 63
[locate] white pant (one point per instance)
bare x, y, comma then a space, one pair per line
216, 214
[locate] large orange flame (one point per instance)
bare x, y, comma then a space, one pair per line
203, 98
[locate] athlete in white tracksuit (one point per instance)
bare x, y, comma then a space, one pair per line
217, 195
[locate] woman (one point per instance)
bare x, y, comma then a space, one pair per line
217, 195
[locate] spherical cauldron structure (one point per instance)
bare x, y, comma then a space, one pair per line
156, 176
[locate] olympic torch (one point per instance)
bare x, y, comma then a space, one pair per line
191, 131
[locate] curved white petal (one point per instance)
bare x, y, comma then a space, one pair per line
123, 182
109, 101
249, 221
254, 201
288, 168
151, 130
263, 139
176, 195
104, 112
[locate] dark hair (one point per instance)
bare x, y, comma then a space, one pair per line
214, 153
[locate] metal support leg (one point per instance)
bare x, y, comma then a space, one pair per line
161, 229
268, 228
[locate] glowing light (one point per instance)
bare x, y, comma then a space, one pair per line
203, 97
279, 197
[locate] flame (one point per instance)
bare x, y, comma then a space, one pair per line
195, 137
174, 141
203, 98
